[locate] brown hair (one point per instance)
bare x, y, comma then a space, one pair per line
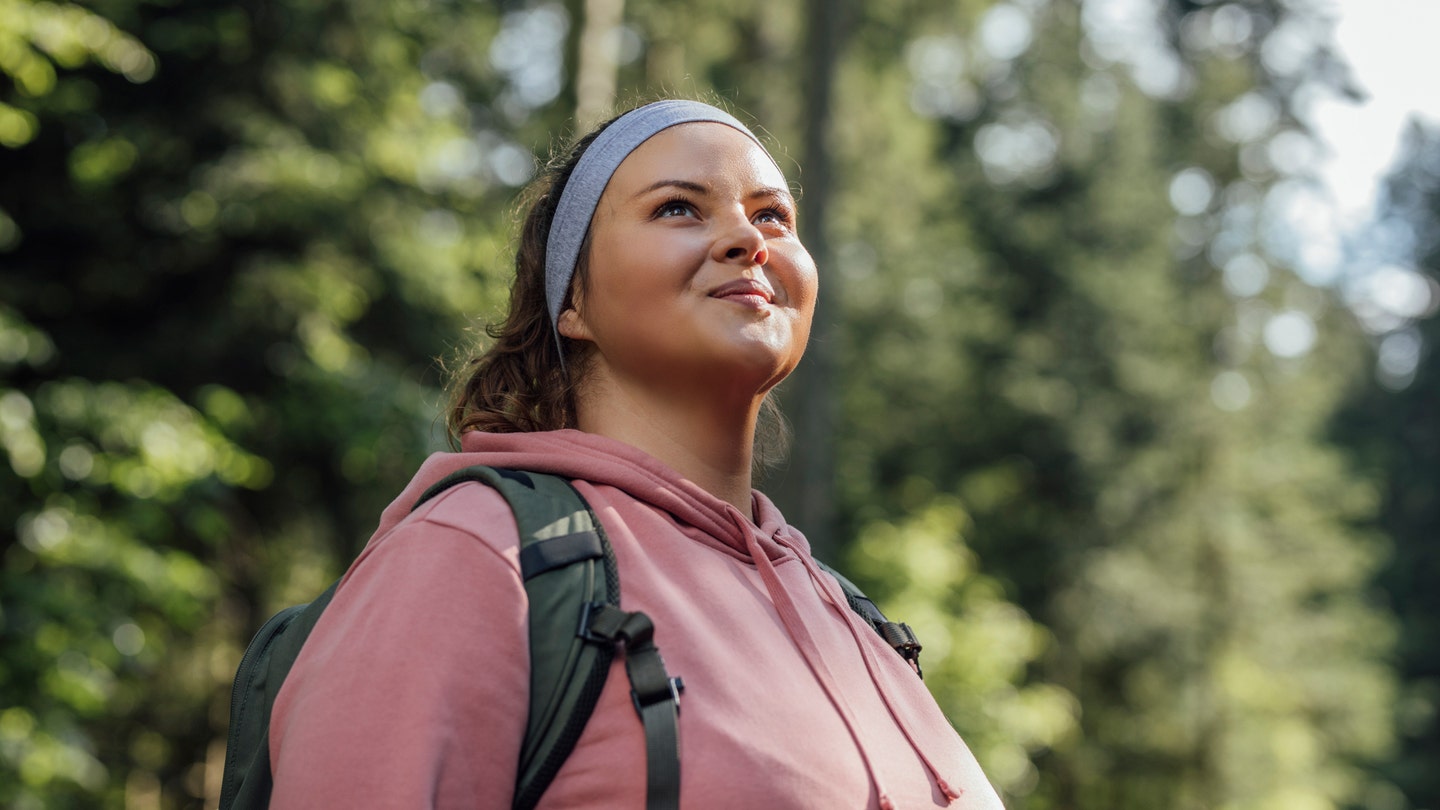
517, 383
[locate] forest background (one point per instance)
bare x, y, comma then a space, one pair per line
1163, 513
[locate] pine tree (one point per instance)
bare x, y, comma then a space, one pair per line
1392, 427
1037, 323
234, 239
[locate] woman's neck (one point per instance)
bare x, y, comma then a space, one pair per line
704, 439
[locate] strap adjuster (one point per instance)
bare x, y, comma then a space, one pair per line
902, 638
672, 693
603, 623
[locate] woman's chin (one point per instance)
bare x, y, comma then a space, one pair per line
767, 362
774, 336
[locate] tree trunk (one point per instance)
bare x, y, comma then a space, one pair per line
598, 65
805, 488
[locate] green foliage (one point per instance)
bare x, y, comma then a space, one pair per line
234, 246
38, 40
978, 646
1036, 322
100, 605
1393, 434
235, 237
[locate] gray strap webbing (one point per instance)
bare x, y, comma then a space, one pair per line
558, 552
662, 763
655, 694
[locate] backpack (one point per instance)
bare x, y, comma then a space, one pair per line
576, 628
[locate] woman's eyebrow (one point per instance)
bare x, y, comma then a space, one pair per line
700, 188
773, 192
680, 184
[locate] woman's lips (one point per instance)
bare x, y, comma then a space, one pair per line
747, 292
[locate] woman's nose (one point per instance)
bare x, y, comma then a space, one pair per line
742, 244
757, 257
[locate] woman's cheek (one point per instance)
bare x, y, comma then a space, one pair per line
804, 281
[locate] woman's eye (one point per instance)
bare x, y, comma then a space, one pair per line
674, 208
772, 216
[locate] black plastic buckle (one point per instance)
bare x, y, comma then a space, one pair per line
902, 638
677, 685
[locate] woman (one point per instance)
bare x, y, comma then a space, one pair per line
661, 292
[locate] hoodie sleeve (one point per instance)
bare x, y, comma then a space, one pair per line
412, 689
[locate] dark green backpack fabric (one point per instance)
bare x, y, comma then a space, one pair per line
576, 628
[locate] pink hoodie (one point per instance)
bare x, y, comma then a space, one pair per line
412, 691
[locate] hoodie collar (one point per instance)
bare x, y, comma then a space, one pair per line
605, 462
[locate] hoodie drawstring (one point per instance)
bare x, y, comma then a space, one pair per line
826, 584
795, 626
871, 666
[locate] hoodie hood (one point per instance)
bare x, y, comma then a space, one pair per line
604, 462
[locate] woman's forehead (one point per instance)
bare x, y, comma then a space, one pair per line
700, 152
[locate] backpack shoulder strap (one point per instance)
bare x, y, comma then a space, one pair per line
246, 781
576, 626
897, 634
567, 564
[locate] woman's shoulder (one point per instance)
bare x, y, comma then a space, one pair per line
467, 519
426, 606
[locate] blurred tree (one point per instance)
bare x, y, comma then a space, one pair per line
597, 61
1394, 429
233, 237
1052, 221
977, 644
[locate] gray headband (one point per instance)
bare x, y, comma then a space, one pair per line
592, 173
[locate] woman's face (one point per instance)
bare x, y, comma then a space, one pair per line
696, 273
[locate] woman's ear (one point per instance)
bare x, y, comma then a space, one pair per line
573, 326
